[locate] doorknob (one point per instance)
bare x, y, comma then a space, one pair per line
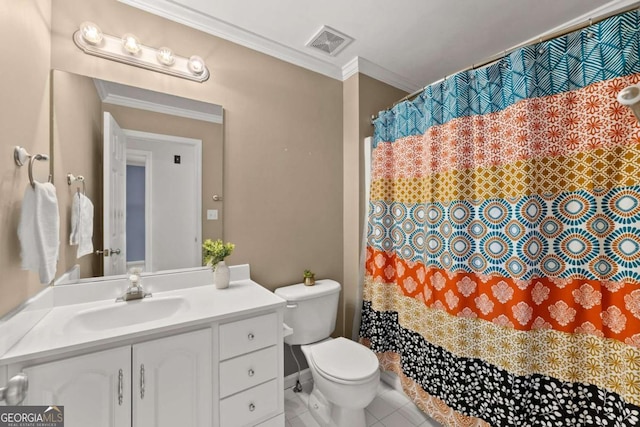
105, 252
108, 252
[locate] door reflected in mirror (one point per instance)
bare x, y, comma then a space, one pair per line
151, 163
155, 180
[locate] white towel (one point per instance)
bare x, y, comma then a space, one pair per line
82, 224
39, 230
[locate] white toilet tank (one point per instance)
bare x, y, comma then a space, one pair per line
311, 310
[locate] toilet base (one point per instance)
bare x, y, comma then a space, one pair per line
327, 414
320, 408
351, 398
346, 417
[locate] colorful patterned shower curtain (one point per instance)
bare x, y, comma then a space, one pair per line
503, 258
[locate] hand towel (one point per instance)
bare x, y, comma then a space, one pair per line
39, 230
82, 224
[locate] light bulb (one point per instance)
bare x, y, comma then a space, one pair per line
196, 65
131, 44
91, 33
165, 56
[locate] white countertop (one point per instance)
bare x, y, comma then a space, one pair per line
48, 338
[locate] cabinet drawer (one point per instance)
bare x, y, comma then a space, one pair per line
245, 336
277, 421
247, 407
246, 371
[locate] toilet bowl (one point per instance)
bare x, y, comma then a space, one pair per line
345, 380
345, 373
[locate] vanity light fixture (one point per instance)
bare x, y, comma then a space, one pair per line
165, 56
128, 50
196, 65
91, 33
131, 44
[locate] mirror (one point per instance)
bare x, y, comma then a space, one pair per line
171, 150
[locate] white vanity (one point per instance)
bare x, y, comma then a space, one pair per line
189, 356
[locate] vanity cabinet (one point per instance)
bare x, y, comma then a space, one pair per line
249, 368
172, 381
160, 383
215, 362
227, 375
95, 389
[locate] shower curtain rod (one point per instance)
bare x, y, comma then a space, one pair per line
499, 56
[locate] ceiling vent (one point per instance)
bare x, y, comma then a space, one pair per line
329, 41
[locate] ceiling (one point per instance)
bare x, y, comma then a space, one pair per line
405, 43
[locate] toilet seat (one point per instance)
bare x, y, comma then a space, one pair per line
344, 361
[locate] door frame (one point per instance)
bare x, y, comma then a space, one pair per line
144, 158
197, 147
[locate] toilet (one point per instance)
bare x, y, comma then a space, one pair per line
345, 373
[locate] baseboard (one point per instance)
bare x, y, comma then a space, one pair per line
290, 380
392, 380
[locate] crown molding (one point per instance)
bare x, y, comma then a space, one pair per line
364, 66
350, 68
127, 96
207, 24
178, 13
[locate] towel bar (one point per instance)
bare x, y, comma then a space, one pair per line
20, 156
72, 178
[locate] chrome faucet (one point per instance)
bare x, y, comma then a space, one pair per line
134, 290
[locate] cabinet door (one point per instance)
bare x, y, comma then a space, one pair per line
94, 389
172, 384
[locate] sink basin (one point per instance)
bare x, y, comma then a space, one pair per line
121, 314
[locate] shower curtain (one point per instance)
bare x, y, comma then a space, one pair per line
502, 276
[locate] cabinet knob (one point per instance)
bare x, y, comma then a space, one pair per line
251, 336
252, 407
251, 372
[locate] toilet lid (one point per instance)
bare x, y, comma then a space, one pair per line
344, 359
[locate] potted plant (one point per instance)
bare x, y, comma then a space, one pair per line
213, 254
309, 277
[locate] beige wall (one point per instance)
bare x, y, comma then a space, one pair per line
351, 200
24, 120
76, 148
363, 97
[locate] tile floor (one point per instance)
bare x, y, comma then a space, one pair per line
390, 408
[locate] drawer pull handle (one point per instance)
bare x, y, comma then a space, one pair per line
252, 407
120, 387
251, 372
251, 336
142, 381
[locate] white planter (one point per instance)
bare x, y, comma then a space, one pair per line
221, 275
